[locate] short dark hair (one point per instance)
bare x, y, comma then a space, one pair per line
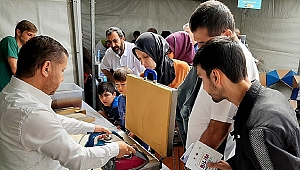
165, 33
213, 15
136, 33
120, 73
35, 52
25, 25
152, 30
110, 30
225, 54
106, 87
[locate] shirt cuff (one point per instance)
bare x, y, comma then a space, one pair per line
224, 119
114, 148
103, 67
89, 127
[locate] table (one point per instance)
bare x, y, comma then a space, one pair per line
100, 120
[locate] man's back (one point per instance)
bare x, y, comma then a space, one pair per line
270, 135
8, 48
18, 153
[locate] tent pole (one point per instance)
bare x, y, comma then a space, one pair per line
244, 11
78, 41
93, 52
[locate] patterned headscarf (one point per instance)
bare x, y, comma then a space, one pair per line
157, 48
181, 44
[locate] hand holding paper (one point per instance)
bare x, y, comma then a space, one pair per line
222, 165
200, 155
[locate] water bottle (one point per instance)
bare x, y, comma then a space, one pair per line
104, 78
98, 56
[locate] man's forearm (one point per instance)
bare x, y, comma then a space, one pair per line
215, 133
13, 64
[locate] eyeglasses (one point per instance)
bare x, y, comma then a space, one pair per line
113, 41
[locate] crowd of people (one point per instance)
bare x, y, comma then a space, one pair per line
220, 100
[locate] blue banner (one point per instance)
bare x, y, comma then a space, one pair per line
253, 4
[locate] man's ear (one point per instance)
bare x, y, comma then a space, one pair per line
114, 94
18, 32
215, 76
46, 68
227, 33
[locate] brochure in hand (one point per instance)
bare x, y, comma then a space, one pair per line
198, 155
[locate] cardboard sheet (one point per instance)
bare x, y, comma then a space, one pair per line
150, 113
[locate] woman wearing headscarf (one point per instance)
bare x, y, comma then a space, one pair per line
153, 50
182, 46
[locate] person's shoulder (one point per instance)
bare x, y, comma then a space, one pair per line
109, 51
181, 64
129, 44
8, 39
109, 54
247, 53
23, 97
115, 102
121, 97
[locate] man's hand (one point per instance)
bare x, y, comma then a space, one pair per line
222, 165
125, 149
131, 134
102, 129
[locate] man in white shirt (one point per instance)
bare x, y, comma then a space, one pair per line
210, 122
32, 135
119, 54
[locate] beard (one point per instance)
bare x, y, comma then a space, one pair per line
217, 95
217, 100
118, 50
52, 85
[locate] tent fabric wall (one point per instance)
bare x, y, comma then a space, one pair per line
52, 18
131, 15
272, 32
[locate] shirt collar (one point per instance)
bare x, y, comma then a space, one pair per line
126, 51
23, 86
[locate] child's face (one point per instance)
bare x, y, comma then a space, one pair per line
107, 98
121, 86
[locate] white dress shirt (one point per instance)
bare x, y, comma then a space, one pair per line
33, 136
206, 109
111, 60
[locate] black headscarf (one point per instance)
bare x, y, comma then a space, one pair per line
157, 48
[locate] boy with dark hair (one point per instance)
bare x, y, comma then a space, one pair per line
108, 97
